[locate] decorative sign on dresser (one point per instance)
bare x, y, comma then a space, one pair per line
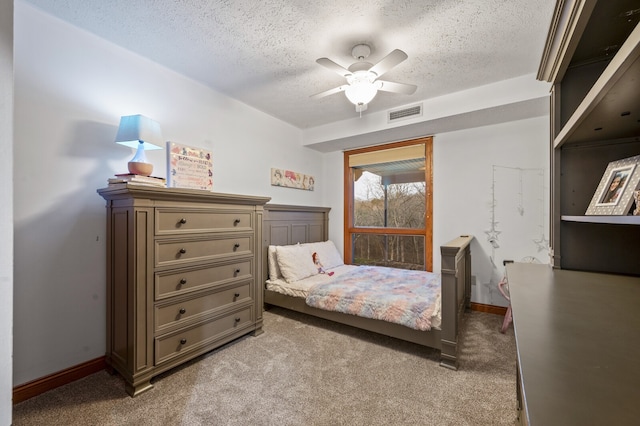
183, 276
189, 167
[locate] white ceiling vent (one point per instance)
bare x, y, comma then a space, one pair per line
404, 113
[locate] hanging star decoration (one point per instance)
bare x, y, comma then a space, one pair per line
492, 235
520, 207
542, 243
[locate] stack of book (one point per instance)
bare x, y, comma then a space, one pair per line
125, 179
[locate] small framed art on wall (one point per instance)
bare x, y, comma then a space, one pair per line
291, 179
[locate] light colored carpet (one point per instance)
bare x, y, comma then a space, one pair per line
306, 371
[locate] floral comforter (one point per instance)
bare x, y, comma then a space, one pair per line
409, 298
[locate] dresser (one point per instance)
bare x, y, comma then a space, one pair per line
183, 276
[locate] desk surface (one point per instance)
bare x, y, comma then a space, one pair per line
578, 340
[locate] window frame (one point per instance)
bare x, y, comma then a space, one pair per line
426, 232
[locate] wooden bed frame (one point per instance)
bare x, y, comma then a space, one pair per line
284, 224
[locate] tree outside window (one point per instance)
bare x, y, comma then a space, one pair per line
388, 199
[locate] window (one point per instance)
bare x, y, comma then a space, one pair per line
388, 205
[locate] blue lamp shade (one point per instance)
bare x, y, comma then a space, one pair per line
141, 133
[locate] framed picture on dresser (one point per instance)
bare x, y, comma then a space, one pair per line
189, 167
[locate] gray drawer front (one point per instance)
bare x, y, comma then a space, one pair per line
176, 252
200, 221
191, 310
191, 339
174, 283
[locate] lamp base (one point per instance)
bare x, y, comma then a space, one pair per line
142, 169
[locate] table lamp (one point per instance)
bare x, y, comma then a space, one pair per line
141, 133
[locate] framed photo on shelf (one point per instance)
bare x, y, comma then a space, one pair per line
614, 195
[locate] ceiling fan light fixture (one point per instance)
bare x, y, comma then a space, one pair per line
362, 77
361, 92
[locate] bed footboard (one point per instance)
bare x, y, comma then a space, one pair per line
456, 295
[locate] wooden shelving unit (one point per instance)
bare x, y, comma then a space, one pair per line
592, 57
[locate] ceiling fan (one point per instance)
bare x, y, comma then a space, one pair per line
362, 77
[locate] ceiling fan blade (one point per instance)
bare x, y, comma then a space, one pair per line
330, 92
328, 63
390, 86
388, 62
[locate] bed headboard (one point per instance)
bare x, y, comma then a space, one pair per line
284, 224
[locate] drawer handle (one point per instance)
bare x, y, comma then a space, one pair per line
236, 222
183, 281
236, 272
183, 311
236, 246
237, 320
182, 251
182, 221
236, 295
183, 341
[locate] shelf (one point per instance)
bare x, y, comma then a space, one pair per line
613, 94
610, 220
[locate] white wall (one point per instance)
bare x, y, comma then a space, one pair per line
463, 178
71, 89
333, 175
6, 208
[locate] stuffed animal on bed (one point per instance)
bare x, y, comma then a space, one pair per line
316, 261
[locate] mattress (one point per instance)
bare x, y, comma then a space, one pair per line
301, 288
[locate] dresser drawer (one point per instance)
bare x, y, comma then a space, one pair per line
174, 252
189, 310
178, 221
174, 283
193, 338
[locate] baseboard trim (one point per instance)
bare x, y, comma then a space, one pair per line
52, 381
490, 309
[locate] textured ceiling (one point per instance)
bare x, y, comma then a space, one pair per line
263, 52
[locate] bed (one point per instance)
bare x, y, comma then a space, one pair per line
286, 226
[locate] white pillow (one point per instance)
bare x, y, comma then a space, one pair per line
274, 269
295, 262
327, 252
